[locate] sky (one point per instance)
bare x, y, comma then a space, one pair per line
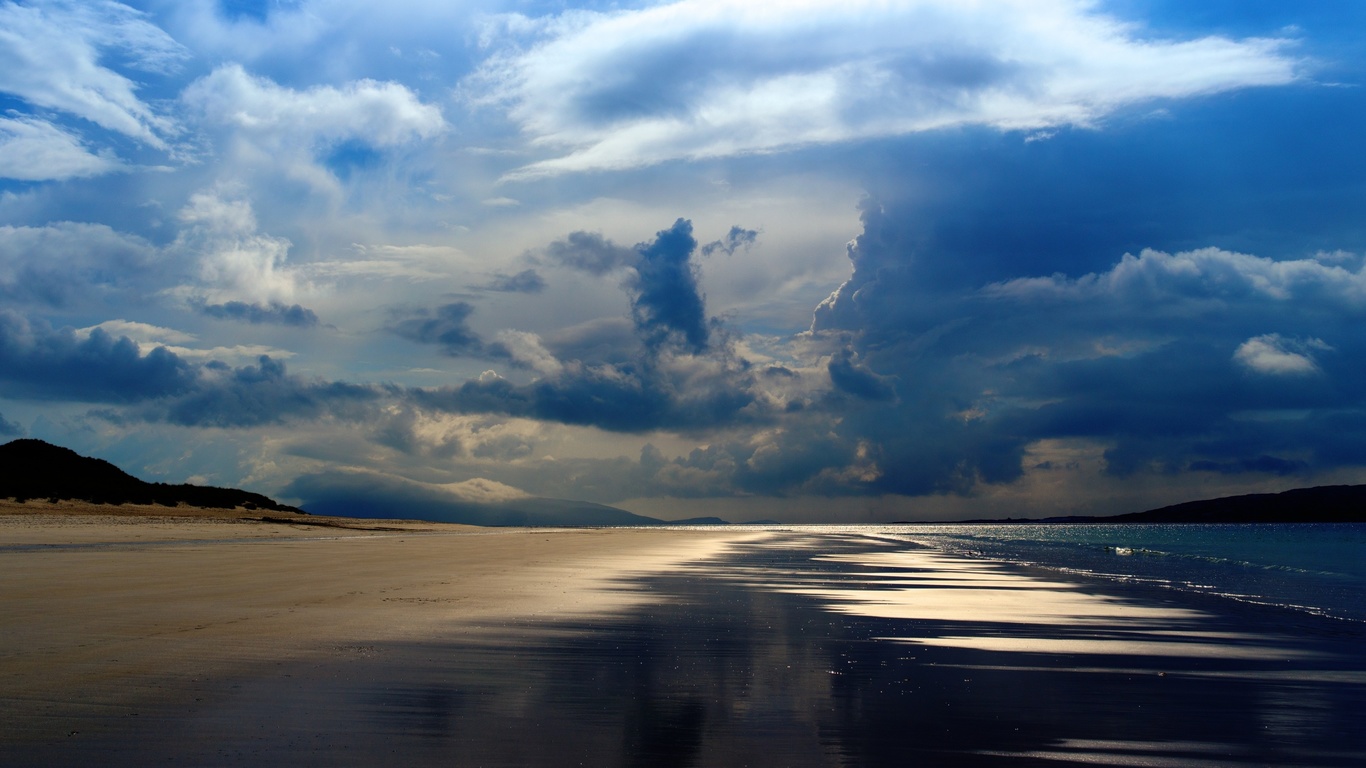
804, 261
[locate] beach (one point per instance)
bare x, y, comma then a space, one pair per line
137, 639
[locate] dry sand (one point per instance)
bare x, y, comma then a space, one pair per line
112, 611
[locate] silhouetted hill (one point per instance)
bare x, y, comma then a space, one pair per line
1320, 504
33, 469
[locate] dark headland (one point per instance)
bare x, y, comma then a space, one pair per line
1321, 504
33, 469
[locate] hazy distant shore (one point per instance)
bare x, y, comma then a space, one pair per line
213, 639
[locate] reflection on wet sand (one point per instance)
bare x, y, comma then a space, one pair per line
806, 650
1030, 613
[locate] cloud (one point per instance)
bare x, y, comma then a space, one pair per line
40, 363
36, 150
701, 79
1148, 357
609, 340
672, 376
665, 301
236, 261
667, 307
66, 263
526, 281
143, 333
414, 263
274, 313
298, 129
738, 238
52, 54
9, 428
1270, 354
1270, 465
447, 327
484, 490
616, 399
853, 379
149, 337
380, 114
1203, 275
592, 253
261, 394
528, 349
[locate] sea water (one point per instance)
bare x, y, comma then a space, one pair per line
1312, 568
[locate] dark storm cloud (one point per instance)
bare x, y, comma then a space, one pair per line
667, 306
9, 428
274, 313
617, 399
856, 380
1206, 360
592, 253
665, 374
738, 238
526, 281
447, 327
264, 393
39, 362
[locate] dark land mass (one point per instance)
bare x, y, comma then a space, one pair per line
1321, 504
33, 469
37, 470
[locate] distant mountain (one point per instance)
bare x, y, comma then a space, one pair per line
370, 495
1320, 504
33, 469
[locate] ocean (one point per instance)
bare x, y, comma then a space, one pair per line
1312, 568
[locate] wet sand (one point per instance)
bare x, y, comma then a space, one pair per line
227, 642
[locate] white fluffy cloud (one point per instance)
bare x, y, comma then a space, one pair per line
712, 78
1204, 274
36, 150
237, 262
382, 114
51, 56
1278, 356
267, 128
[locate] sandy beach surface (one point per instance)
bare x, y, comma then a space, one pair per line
116, 613
175, 637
